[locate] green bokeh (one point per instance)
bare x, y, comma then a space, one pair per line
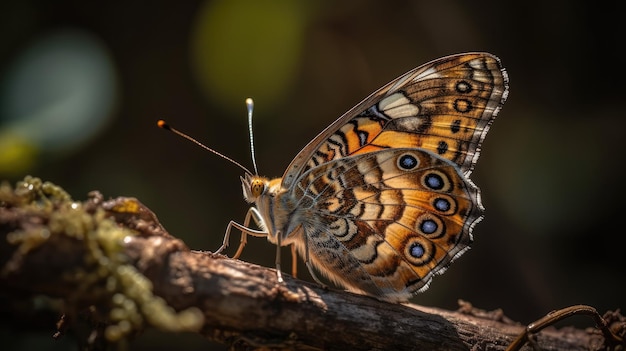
17, 155
247, 48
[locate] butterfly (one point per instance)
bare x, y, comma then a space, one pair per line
381, 201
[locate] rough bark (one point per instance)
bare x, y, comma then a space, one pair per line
111, 257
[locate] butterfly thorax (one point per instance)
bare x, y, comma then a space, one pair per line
274, 206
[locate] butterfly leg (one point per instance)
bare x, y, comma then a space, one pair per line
294, 261
279, 274
254, 214
307, 261
245, 231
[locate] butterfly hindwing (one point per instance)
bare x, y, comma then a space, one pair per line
402, 214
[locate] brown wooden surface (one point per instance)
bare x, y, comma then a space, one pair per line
242, 304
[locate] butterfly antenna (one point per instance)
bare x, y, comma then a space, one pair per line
162, 124
250, 106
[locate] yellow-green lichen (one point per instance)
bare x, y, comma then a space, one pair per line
105, 272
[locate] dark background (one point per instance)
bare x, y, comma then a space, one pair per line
550, 171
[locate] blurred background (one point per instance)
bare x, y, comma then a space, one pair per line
82, 85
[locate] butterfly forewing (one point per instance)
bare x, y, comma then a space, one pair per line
445, 106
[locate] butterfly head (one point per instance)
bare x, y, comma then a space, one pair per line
254, 187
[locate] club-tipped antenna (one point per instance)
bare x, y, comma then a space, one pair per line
250, 106
162, 124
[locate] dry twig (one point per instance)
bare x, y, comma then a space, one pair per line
115, 261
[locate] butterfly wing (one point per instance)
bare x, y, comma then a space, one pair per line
387, 221
445, 106
383, 194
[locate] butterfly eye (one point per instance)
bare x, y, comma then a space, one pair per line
419, 252
436, 180
407, 162
463, 105
463, 87
430, 226
433, 181
257, 187
442, 204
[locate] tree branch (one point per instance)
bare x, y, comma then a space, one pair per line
114, 259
